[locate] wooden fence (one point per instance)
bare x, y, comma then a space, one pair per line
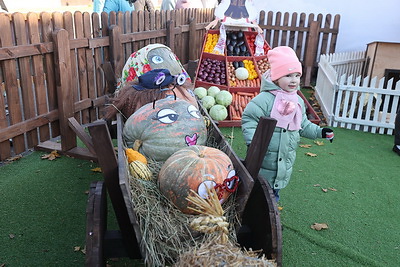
52, 64
352, 101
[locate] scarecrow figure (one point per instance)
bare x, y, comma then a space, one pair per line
132, 93
240, 13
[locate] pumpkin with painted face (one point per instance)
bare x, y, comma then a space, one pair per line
196, 168
165, 126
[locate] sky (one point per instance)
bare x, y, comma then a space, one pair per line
361, 22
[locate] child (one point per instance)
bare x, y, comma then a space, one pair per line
278, 99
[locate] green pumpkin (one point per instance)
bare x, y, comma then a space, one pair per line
165, 128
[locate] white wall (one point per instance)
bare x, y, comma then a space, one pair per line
361, 22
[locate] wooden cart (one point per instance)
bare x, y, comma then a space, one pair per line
260, 223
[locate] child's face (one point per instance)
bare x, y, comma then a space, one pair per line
290, 82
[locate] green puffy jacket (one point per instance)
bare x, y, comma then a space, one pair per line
278, 162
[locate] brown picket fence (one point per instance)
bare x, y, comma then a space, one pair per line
52, 64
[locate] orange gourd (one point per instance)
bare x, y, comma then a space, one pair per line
133, 155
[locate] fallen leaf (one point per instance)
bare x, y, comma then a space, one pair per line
332, 189
319, 143
86, 192
305, 146
84, 250
51, 156
324, 189
98, 169
77, 249
11, 236
317, 185
15, 158
319, 226
311, 154
280, 208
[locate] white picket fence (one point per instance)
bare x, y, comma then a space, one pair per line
351, 101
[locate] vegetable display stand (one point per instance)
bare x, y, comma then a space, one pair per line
254, 199
216, 69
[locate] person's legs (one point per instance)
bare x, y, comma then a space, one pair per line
396, 147
276, 194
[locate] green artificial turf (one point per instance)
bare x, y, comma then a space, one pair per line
360, 174
43, 204
42, 211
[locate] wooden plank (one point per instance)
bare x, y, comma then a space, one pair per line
127, 29
25, 77
64, 85
125, 185
47, 27
81, 66
38, 75
116, 50
146, 25
26, 125
9, 68
152, 22
332, 46
80, 132
325, 36
278, 19
285, 32
192, 39
69, 27
267, 236
109, 166
292, 34
96, 224
14, 52
97, 58
259, 145
158, 25
300, 36
311, 50
5, 148
90, 67
170, 35
135, 28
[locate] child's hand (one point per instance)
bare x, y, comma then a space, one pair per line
328, 134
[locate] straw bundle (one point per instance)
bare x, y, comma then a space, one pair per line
216, 249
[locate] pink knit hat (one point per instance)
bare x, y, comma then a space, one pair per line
283, 61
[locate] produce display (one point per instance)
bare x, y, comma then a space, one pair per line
237, 71
215, 100
235, 44
211, 41
212, 71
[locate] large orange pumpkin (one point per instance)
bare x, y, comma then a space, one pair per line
196, 167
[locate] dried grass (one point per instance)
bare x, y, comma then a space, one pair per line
165, 230
216, 249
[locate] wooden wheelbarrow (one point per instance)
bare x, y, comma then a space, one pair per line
256, 207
